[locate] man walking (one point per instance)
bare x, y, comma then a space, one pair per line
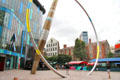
108, 70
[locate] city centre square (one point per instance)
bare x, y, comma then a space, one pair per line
49, 75
77, 41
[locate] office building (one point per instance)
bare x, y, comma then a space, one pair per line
84, 37
14, 39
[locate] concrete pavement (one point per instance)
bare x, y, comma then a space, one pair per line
49, 75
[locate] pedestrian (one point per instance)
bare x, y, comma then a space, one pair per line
67, 69
108, 70
62, 66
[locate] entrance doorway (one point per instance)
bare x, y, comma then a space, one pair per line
2, 63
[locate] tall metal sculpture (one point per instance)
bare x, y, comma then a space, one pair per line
43, 38
95, 35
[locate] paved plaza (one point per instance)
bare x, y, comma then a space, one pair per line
49, 75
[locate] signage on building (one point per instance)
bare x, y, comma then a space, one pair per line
117, 46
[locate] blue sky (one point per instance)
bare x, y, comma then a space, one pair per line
70, 20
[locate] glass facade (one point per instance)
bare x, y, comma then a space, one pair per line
13, 31
85, 37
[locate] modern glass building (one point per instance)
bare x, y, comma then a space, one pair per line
84, 37
14, 39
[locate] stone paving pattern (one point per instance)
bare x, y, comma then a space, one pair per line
49, 75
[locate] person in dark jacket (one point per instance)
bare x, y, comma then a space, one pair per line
67, 69
108, 70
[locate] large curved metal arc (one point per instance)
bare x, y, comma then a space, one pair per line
95, 35
36, 48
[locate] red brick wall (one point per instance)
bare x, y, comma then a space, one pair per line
94, 50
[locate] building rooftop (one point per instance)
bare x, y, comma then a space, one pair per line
38, 4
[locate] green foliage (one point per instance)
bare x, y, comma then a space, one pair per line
52, 59
110, 55
46, 57
79, 50
62, 59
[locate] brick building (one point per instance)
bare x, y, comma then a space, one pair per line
68, 51
92, 49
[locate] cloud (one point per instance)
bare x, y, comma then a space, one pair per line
70, 20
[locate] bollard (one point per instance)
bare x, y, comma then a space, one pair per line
15, 78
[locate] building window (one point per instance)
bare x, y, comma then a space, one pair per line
49, 45
51, 41
31, 13
21, 8
2, 15
53, 49
3, 1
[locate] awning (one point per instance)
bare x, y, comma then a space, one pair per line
77, 62
90, 64
116, 63
106, 59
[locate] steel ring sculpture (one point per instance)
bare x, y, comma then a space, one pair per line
34, 44
38, 51
95, 36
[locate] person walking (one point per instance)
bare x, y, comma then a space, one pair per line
67, 69
108, 70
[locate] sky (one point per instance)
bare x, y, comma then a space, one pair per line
70, 20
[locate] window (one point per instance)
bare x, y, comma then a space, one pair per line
2, 15
3, 1
31, 13
49, 45
53, 49
21, 8
51, 41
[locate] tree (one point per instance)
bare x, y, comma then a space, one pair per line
110, 55
79, 50
52, 59
62, 59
